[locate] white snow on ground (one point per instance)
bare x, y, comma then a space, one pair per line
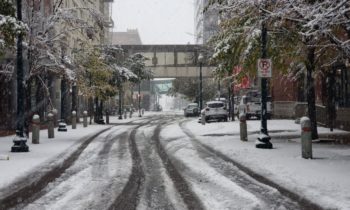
173, 196
64, 143
92, 182
323, 180
213, 189
19, 164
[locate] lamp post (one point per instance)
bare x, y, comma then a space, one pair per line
62, 125
200, 60
264, 138
120, 101
20, 139
232, 99
75, 97
139, 91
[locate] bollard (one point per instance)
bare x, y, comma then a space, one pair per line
143, 111
125, 114
85, 115
107, 117
51, 126
130, 115
243, 127
203, 118
306, 140
74, 120
36, 129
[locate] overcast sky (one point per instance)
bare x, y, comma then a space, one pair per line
158, 21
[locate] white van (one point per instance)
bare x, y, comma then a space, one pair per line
251, 106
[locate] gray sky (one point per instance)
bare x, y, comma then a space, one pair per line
158, 21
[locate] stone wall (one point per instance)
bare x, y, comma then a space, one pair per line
294, 110
283, 109
343, 118
322, 115
289, 109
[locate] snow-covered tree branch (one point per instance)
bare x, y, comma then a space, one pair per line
10, 27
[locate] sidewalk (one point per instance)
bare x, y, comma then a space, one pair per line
323, 180
20, 165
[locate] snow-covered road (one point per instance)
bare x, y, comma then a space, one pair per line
157, 162
94, 180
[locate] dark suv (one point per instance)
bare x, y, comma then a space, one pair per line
192, 109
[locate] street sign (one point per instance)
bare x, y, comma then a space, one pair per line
264, 68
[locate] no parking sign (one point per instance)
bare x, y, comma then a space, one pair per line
264, 68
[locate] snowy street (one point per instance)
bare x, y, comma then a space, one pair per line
174, 105
166, 161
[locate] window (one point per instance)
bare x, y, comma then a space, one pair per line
215, 105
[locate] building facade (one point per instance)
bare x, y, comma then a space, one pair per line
128, 37
206, 23
92, 19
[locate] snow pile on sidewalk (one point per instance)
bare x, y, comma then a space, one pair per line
323, 180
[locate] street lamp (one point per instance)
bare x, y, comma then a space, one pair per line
20, 139
264, 138
200, 60
74, 97
120, 100
62, 125
139, 98
139, 94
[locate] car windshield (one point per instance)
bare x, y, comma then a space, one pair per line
215, 105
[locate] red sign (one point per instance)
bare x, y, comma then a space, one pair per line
245, 83
236, 70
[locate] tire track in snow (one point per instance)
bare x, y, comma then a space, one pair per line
249, 180
128, 199
66, 190
33, 191
158, 191
189, 197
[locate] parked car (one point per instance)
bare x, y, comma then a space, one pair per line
192, 109
251, 106
216, 110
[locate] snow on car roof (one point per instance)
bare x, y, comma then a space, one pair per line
214, 102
